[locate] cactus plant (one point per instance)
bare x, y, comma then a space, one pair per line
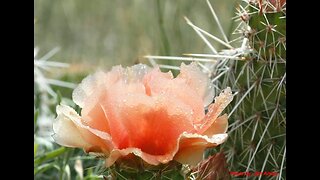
257, 141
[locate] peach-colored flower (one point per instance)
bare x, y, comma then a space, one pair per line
145, 112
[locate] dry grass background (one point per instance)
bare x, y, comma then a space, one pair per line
107, 32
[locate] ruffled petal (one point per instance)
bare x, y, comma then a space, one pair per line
189, 149
148, 158
71, 132
144, 122
67, 133
219, 126
215, 109
113, 107
96, 119
87, 87
198, 81
157, 83
93, 89
192, 146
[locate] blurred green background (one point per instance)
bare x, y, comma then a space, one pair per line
106, 32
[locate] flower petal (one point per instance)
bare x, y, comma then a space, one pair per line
192, 146
69, 131
138, 120
189, 149
157, 83
219, 126
95, 118
93, 88
114, 107
198, 81
87, 89
148, 158
215, 109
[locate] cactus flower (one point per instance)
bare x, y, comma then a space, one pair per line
144, 112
